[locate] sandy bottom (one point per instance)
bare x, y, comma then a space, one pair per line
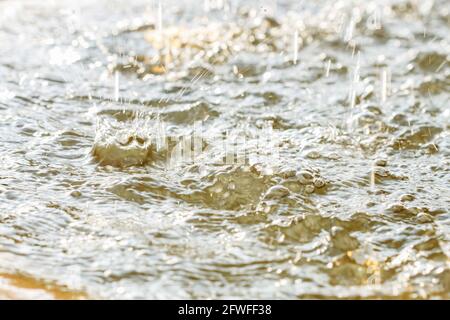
22, 287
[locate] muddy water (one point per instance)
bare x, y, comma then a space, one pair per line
335, 182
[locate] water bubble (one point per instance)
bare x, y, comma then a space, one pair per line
313, 155
396, 208
423, 217
305, 177
319, 182
75, 194
407, 197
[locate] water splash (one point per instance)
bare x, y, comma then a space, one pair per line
295, 47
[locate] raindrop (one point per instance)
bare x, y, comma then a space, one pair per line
295, 47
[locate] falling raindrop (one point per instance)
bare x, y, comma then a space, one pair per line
355, 81
295, 47
327, 73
